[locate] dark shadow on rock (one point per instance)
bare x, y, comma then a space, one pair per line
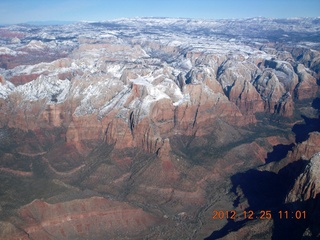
289, 173
302, 130
286, 226
299, 217
263, 189
266, 190
279, 152
316, 103
231, 225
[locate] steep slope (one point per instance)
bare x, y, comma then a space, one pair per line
306, 189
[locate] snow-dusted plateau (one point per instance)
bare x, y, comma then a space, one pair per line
160, 128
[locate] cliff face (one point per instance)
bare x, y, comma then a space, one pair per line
132, 105
306, 189
307, 184
306, 149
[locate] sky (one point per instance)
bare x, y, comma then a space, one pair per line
20, 11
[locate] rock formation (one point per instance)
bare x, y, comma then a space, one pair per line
307, 185
306, 189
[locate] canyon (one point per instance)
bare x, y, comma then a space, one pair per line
142, 128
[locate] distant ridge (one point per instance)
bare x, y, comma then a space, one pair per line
258, 18
51, 22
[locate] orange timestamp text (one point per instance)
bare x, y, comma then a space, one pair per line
262, 214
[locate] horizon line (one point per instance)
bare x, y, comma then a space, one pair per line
66, 22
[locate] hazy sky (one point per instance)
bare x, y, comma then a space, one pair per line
17, 11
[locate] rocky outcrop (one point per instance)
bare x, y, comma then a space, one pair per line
306, 149
306, 192
22, 79
26, 73
198, 114
276, 87
307, 186
2, 80
307, 86
236, 79
252, 231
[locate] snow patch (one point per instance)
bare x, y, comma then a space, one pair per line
185, 98
6, 89
55, 90
155, 94
116, 102
36, 45
7, 51
115, 70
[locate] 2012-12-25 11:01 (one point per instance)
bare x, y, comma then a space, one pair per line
262, 214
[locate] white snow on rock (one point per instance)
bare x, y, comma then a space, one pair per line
185, 98
6, 89
186, 64
7, 51
171, 89
154, 94
36, 45
157, 50
55, 90
116, 102
115, 70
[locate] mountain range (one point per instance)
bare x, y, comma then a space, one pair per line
149, 128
